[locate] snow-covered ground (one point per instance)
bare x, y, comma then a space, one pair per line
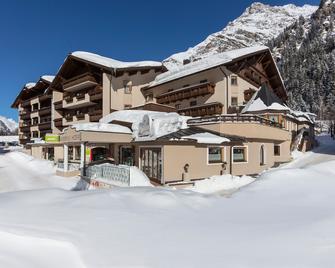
19, 171
286, 218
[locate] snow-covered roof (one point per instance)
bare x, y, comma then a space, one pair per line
101, 127
48, 78
302, 116
206, 138
205, 63
148, 125
264, 100
111, 63
29, 85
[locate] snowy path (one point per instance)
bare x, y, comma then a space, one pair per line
22, 172
323, 153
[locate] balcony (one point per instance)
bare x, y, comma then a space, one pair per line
25, 103
25, 116
202, 110
58, 105
95, 116
44, 97
44, 125
23, 137
186, 93
44, 111
79, 82
25, 127
58, 122
95, 94
78, 100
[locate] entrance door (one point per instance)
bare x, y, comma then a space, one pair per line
127, 155
151, 162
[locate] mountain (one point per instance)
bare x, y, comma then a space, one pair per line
305, 54
258, 24
7, 126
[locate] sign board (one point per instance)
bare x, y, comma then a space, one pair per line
51, 138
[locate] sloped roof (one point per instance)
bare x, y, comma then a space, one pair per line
182, 133
205, 64
264, 100
112, 63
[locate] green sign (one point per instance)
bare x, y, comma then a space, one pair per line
51, 138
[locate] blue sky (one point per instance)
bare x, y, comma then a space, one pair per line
36, 35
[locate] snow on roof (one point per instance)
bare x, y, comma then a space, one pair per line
263, 100
204, 64
101, 127
302, 116
29, 85
111, 63
207, 138
48, 78
148, 125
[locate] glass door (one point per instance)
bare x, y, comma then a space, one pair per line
151, 162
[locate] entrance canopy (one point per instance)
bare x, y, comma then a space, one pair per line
96, 133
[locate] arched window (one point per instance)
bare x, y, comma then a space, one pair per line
262, 156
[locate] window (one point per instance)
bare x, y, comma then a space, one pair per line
177, 106
214, 155
276, 150
274, 118
234, 80
77, 153
35, 121
35, 107
70, 153
234, 101
262, 156
127, 87
193, 103
239, 154
35, 134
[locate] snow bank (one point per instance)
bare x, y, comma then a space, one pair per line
111, 63
20, 171
138, 178
101, 127
216, 184
9, 138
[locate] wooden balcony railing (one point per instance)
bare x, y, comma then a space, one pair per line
44, 125
186, 93
80, 116
95, 116
58, 105
79, 82
234, 118
58, 122
202, 110
25, 103
95, 94
44, 111
45, 97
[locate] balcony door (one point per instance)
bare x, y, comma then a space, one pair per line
151, 162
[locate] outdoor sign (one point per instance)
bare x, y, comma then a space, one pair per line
51, 138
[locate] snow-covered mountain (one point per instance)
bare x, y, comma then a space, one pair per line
258, 24
305, 54
7, 126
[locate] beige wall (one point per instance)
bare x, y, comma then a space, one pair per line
250, 130
114, 96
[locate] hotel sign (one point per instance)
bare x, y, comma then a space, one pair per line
51, 138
